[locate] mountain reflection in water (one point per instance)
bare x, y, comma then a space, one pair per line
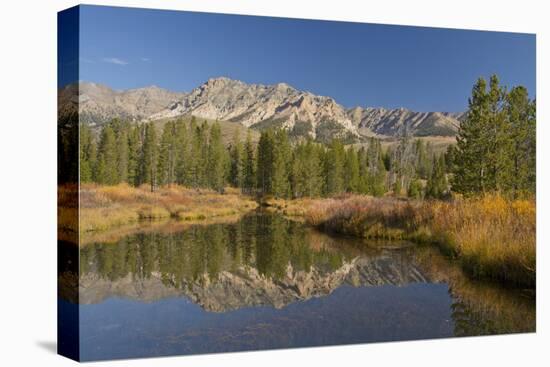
266, 282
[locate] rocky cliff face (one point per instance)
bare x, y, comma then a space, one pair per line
246, 287
381, 121
255, 106
261, 106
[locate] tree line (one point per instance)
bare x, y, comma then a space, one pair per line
193, 154
495, 151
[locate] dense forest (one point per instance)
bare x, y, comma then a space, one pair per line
495, 151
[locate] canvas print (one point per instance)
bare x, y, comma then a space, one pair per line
237, 183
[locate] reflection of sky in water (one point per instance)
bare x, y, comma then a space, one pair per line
153, 294
118, 328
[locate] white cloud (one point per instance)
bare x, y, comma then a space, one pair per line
115, 60
145, 59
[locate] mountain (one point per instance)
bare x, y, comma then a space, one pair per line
262, 106
99, 103
389, 122
254, 106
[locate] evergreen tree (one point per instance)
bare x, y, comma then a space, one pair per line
334, 168
107, 165
249, 166
375, 181
450, 154
216, 159
280, 184
236, 156
499, 140
351, 170
378, 176
521, 116
265, 162
437, 183
484, 157
471, 147
87, 153
134, 149
149, 157
415, 189
168, 155
364, 183
306, 173
185, 142
122, 152
200, 155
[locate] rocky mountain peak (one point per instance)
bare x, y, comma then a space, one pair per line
257, 106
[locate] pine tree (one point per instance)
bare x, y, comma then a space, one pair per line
249, 166
216, 159
499, 140
122, 152
351, 171
362, 157
471, 144
149, 157
280, 184
185, 166
87, 153
306, 172
334, 168
378, 174
134, 149
200, 155
437, 183
415, 189
450, 154
521, 116
483, 160
168, 155
313, 169
265, 161
236, 156
106, 169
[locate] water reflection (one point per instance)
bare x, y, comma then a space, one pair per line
266, 282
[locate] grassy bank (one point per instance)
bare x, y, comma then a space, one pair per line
105, 207
490, 236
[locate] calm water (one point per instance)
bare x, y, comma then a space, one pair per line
265, 282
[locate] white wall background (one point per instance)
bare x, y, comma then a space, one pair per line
28, 181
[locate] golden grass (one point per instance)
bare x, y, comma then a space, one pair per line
492, 237
105, 207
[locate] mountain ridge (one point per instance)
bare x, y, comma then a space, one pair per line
255, 106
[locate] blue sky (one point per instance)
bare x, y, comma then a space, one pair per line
424, 69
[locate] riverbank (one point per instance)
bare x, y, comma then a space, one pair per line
491, 237
106, 207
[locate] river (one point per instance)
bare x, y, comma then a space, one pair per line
265, 282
